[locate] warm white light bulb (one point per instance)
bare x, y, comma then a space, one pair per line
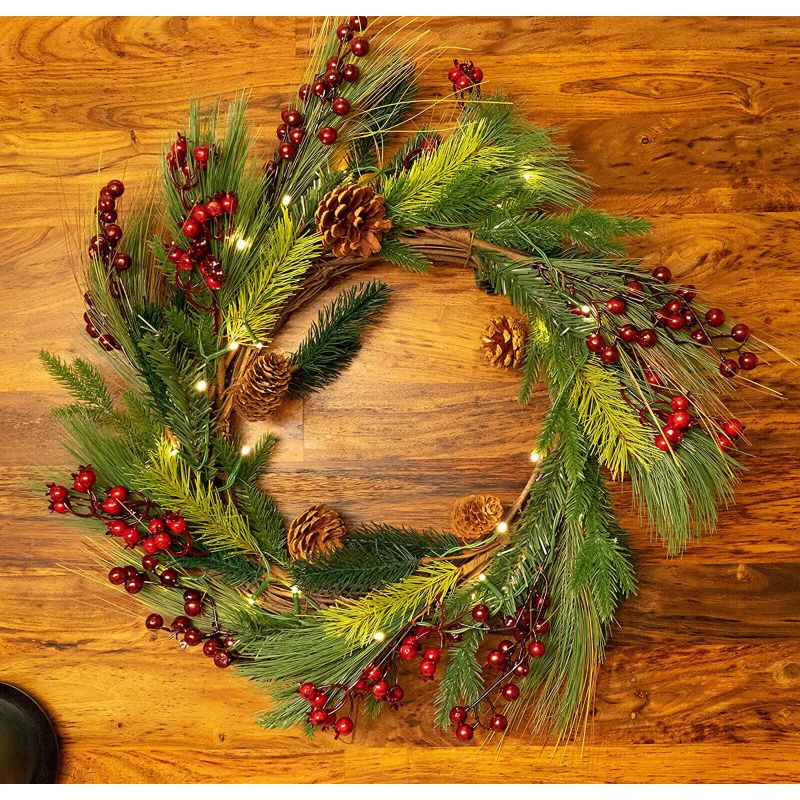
246, 450
251, 601
586, 309
379, 636
481, 577
259, 345
242, 244
527, 175
286, 199
201, 385
535, 457
295, 590
233, 346
173, 451
502, 527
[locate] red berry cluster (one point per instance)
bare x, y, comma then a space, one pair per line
204, 223
466, 78
217, 644
676, 314
325, 87
510, 659
184, 175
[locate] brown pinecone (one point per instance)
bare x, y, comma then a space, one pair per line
503, 342
263, 386
318, 530
475, 515
352, 220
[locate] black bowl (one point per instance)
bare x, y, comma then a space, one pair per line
28, 743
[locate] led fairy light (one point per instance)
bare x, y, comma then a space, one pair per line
286, 200
246, 450
201, 385
242, 244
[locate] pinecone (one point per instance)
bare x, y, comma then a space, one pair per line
318, 530
352, 220
263, 386
475, 515
503, 342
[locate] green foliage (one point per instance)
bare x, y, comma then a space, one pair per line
462, 681
613, 428
334, 339
83, 381
285, 257
403, 255
371, 556
389, 607
173, 484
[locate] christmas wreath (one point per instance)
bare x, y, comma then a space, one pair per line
186, 300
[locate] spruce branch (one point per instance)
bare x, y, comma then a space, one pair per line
334, 339
83, 381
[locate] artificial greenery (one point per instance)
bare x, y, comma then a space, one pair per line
485, 188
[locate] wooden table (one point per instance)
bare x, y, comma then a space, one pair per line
693, 123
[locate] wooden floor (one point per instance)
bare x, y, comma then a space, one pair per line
693, 123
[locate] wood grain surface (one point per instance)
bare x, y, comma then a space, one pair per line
691, 122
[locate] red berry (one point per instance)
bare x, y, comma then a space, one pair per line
176, 523
510, 691
674, 307
131, 572
117, 527
181, 623
653, 378
715, 317
615, 305
672, 434
340, 106
380, 688
318, 717
86, 477
162, 541
628, 333
522, 669
155, 525
117, 575
634, 288
154, 622
319, 700
192, 594
287, 151
609, 354
113, 233
131, 537
396, 694
332, 77
121, 262
687, 293
433, 654
464, 733
477, 74
291, 117
58, 492
149, 563
358, 24
169, 577
296, 135
689, 318
496, 659
463, 82
59, 506
728, 368
506, 645
536, 649
115, 188
748, 360
662, 274
200, 154
191, 228
228, 642
724, 442
134, 585
661, 443
304, 91
327, 135
318, 88
332, 63
675, 322
214, 208
118, 492
733, 428
307, 691
498, 722
458, 714
149, 545
542, 628
427, 668
454, 74
373, 673
193, 608
222, 659
647, 337
480, 613
344, 33
679, 403
407, 652
681, 420
111, 506
230, 203
351, 73
740, 332
359, 47
595, 342
192, 637
210, 647
344, 726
